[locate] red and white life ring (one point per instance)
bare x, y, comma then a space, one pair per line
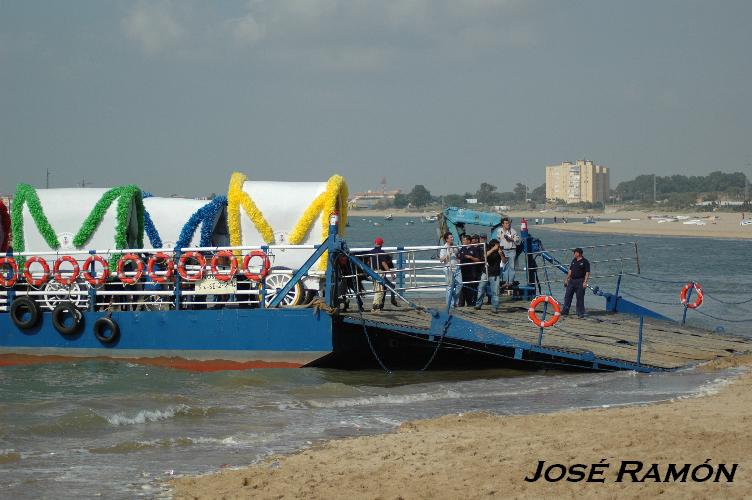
27, 271
183, 272
10, 262
221, 276
534, 317
170, 267
86, 271
124, 278
698, 301
58, 275
264, 268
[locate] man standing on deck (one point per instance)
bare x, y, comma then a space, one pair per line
508, 239
448, 257
495, 260
380, 263
576, 283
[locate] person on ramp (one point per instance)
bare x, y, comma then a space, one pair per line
576, 283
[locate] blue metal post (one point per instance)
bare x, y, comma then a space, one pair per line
178, 292
401, 265
639, 341
262, 295
543, 319
686, 306
92, 290
328, 295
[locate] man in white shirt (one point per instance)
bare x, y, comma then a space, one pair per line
448, 257
508, 240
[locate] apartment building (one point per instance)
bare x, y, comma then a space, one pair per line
582, 181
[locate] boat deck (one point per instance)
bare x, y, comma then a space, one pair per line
602, 339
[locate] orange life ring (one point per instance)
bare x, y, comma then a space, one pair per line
160, 278
130, 280
59, 276
183, 272
27, 273
102, 278
698, 301
534, 317
10, 262
264, 268
233, 265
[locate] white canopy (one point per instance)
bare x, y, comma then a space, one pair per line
170, 215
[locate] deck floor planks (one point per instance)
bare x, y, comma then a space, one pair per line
606, 335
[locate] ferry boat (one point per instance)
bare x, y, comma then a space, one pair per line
258, 279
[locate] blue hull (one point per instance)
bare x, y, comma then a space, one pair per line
221, 338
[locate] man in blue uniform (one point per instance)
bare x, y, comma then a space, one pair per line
576, 283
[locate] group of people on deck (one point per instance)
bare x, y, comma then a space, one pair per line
471, 276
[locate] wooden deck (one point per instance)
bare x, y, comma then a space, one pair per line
666, 345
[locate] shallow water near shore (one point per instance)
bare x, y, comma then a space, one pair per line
117, 430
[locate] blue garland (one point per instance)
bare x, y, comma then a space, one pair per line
205, 215
149, 228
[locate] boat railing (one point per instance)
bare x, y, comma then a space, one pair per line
139, 289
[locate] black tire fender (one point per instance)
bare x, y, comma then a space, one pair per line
58, 316
103, 324
20, 307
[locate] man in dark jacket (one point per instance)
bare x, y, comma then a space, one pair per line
576, 283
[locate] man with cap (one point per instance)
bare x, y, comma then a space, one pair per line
380, 262
576, 283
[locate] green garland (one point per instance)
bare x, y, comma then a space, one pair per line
125, 195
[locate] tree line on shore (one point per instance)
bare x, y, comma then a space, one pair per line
674, 191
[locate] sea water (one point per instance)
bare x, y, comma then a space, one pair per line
115, 429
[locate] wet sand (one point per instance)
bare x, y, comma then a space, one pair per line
481, 455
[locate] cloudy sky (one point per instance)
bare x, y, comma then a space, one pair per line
175, 95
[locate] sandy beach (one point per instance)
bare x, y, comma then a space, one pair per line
715, 225
483, 455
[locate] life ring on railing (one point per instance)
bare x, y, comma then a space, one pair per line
264, 268
698, 301
90, 279
59, 276
124, 278
534, 317
10, 262
183, 272
27, 273
153, 260
220, 276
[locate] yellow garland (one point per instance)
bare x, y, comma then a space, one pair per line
237, 197
333, 199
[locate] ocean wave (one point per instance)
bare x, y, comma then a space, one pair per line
388, 399
148, 416
135, 446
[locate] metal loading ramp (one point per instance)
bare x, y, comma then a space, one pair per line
603, 340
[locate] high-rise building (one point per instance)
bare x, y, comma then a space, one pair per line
582, 181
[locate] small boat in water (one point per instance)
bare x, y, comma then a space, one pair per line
589, 220
746, 222
388, 217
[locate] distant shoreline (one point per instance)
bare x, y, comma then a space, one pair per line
724, 225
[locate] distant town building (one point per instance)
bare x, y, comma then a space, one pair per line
370, 199
582, 181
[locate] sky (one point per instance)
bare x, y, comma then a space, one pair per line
176, 95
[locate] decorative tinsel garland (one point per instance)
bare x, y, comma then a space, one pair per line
237, 197
205, 215
149, 228
5, 222
124, 195
333, 199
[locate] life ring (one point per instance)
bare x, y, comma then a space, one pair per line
58, 318
170, 267
27, 273
534, 317
19, 310
59, 276
125, 279
10, 262
103, 324
264, 268
698, 301
102, 278
233, 265
183, 272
